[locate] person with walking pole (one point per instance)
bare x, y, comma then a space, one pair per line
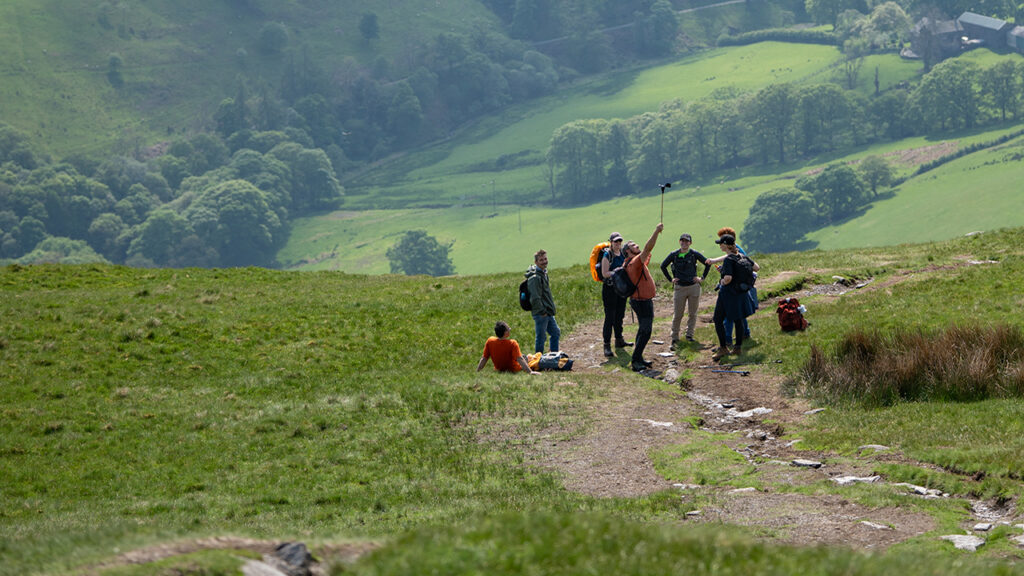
642, 300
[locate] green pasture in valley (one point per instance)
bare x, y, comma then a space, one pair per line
503, 238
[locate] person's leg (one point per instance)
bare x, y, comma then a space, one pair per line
540, 326
678, 305
746, 330
739, 335
645, 320
727, 324
719, 320
608, 298
620, 315
555, 333
692, 303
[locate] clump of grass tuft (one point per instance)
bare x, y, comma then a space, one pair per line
957, 364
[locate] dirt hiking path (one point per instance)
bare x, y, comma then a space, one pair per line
610, 457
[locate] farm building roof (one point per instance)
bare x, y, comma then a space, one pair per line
973, 19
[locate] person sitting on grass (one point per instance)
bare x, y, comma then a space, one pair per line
504, 352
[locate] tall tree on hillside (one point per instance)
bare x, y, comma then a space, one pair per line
876, 173
369, 28
837, 191
655, 33
775, 108
1002, 85
419, 253
778, 220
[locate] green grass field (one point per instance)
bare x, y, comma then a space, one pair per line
180, 60
141, 406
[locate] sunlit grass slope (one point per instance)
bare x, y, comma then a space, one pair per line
181, 58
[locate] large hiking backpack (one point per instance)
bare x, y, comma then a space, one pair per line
791, 316
742, 274
524, 296
595, 260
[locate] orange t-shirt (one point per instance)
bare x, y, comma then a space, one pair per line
503, 353
641, 276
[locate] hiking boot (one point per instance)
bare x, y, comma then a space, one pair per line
736, 350
673, 346
622, 343
690, 339
608, 350
720, 353
646, 363
638, 367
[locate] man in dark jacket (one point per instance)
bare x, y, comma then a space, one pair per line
686, 285
542, 303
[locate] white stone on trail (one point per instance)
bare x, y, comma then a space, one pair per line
687, 486
875, 447
815, 411
982, 527
875, 526
793, 443
920, 490
847, 480
749, 413
1018, 540
255, 568
968, 543
657, 342
666, 354
670, 375
806, 463
654, 422
693, 513
748, 489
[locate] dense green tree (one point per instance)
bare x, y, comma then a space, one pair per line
1002, 86
114, 65
29, 232
778, 220
534, 19
419, 253
577, 148
827, 11
273, 38
159, 238
369, 27
947, 96
105, 232
875, 172
405, 114
16, 147
655, 32
823, 114
838, 191
775, 108
235, 219
59, 250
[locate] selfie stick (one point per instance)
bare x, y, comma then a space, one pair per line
663, 186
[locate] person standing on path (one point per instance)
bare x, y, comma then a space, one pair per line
614, 305
542, 302
752, 294
733, 302
642, 300
686, 285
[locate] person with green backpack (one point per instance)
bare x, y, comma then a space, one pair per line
542, 303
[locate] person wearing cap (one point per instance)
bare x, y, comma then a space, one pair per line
686, 285
731, 303
642, 300
752, 293
614, 305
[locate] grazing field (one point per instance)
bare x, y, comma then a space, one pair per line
488, 239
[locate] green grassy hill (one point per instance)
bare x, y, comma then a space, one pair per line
180, 58
145, 406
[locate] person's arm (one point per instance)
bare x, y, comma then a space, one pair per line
536, 301
726, 272
482, 363
526, 365
645, 255
606, 265
664, 266
716, 260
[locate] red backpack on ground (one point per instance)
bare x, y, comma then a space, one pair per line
790, 316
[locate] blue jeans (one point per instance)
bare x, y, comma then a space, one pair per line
542, 326
728, 330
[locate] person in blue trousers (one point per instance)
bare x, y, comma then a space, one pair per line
542, 303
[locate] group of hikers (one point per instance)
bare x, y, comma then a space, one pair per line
737, 299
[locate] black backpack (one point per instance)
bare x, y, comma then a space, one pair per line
621, 282
742, 274
524, 296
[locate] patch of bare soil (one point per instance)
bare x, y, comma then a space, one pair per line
610, 458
